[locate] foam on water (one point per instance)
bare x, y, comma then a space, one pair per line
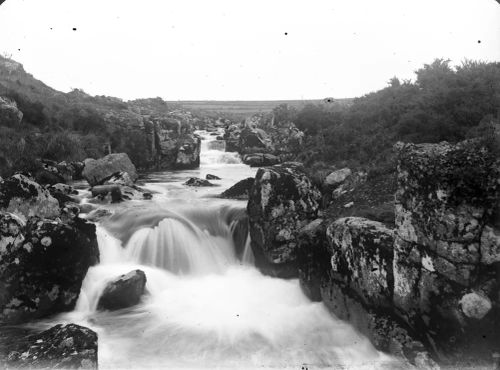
206, 306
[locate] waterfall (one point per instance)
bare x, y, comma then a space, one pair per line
213, 151
206, 305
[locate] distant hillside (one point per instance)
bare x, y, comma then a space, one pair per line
244, 108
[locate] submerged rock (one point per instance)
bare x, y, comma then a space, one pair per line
212, 177
240, 190
96, 172
26, 198
196, 181
282, 201
123, 292
42, 265
68, 346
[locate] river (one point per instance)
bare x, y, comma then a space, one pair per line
206, 305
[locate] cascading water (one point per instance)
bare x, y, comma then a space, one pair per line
206, 305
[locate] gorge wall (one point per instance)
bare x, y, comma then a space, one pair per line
427, 288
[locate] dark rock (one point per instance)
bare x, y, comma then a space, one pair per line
63, 193
281, 202
60, 347
195, 181
103, 190
212, 177
96, 172
260, 159
188, 153
147, 195
240, 190
42, 265
123, 292
25, 198
253, 138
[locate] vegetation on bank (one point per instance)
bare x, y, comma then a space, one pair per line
444, 103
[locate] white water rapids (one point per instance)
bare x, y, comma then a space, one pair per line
206, 305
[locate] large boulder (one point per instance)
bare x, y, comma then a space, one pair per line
42, 265
96, 172
361, 258
61, 347
123, 292
447, 247
240, 190
10, 115
25, 198
281, 202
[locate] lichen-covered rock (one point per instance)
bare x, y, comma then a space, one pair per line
446, 251
240, 190
281, 202
445, 194
61, 347
24, 197
42, 265
362, 257
10, 115
123, 292
96, 172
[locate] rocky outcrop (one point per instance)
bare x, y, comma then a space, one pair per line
254, 140
10, 115
123, 292
281, 202
25, 198
172, 143
447, 248
60, 347
432, 284
42, 265
188, 153
240, 190
96, 172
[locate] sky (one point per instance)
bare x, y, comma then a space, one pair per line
241, 50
